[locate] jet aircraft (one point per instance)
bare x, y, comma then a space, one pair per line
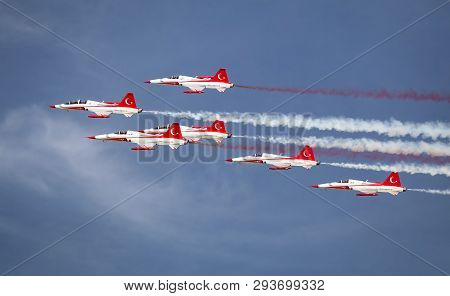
304, 159
171, 137
391, 185
126, 107
194, 134
197, 84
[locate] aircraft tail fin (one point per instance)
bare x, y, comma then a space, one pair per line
221, 76
218, 126
174, 131
307, 153
393, 180
128, 101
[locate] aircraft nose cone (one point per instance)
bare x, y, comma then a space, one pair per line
315, 186
91, 137
147, 81
229, 159
52, 106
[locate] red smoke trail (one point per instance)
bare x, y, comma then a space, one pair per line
292, 149
375, 94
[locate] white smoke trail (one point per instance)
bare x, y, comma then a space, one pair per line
409, 168
363, 145
391, 128
431, 191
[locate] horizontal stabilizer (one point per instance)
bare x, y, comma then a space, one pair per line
274, 168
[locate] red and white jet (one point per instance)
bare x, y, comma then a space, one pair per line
216, 131
304, 159
126, 107
172, 138
197, 84
391, 185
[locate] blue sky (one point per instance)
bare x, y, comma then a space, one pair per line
211, 218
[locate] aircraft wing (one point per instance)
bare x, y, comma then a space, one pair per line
366, 192
143, 143
100, 113
147, 146
194, 140
275, 165
197, 88
275, 168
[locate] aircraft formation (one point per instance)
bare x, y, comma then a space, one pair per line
175, 135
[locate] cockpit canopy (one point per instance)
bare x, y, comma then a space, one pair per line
257, 155
344, 181
174, 77
76, 102
162, 127
121, 132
